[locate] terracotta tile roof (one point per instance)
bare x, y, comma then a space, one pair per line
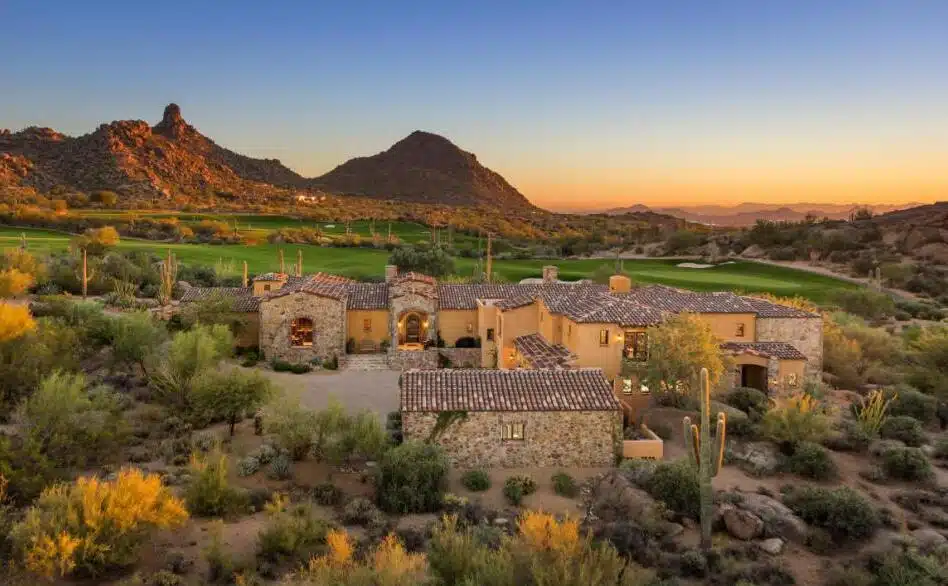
368, 296
766, 308
541, 354
515, 302
582, 389
322, 284
781, 350
465, 295
270, 277
590, 306
412, 276
677, 300
244, 301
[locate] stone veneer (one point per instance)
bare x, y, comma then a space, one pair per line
462, 357
329, 319
551, 438
803, 333
408, 359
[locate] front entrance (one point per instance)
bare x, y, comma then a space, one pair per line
413, 329
754, 376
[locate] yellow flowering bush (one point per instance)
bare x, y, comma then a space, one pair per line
794, 419
15, 320
94, 525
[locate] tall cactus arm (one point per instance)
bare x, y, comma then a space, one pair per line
719, 438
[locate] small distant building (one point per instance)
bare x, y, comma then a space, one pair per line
514, 418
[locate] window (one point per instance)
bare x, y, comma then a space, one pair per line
301, 332
740, 330
541, 316
636, 346
569, 330
266, 287
792, 379
603, 337
511, 431
367, 325
626, 386
490, 334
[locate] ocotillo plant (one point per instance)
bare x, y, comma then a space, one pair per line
168, 274
707, 456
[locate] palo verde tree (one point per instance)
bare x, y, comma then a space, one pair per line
677, 351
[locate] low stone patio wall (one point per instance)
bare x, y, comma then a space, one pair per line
408, 359
462, 357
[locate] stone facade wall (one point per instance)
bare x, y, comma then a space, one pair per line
551, 438
329, 323
804, 334
462, 357
408, 359
413, 296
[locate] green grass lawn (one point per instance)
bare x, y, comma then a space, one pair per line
741, 276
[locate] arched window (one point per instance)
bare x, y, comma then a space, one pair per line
301, 332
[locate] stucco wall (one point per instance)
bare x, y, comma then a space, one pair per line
513, 324
804, 334
486, 319
378, 323
454, 324
329, 319
725, 325
583, 341
551, 439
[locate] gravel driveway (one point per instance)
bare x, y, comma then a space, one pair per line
376, 390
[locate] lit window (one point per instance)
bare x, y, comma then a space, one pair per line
636, 346
490, 334
266, 287
301, 332
740, 330
511, 431
792, 379
603, 337
626, 386
367, 325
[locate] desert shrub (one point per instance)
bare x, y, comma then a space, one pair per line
281, 468
135, 336
327, 494
565, 485
843, 512
411, 478
739, 424
811, 460
475, 480
229, 395
393, 425
71, 425
280, 365
292, 425
752, 401
292, 533
796, 419
871, 412
301, 368
388, 564
941, 448
93, 526
248, 466
360, 511
517, 487
907, 567
906, 464
865, 303
342, 437
188, 355
331, 363
903, 428
209, 493
850, 437
15, 321
910, 402
676, 484
14, 282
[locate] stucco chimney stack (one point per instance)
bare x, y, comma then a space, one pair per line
391, 271
550, 274
620, 284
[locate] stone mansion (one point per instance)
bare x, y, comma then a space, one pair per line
416, 322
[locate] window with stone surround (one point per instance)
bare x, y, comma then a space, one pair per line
301, 332
490, 334
367, 325
266, 287
512, 432
740, 330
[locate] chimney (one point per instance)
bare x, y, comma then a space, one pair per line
620, 284
550, 274
391, 271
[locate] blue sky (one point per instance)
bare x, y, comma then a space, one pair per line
574, 102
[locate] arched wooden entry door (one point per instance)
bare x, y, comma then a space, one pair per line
413, 329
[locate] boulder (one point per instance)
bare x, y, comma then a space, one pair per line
741, 523
613, 497
756, 458
773, 546
778, 519
754, 251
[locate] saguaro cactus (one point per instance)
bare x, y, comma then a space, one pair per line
707, 454
168, 273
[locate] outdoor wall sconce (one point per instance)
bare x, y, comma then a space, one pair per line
470, 328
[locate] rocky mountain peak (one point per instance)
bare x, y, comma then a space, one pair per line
172, 123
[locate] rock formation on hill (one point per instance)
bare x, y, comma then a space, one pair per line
425, 168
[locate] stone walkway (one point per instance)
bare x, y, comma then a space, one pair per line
375, 390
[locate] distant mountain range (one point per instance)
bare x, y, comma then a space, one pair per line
747, 214
172, 158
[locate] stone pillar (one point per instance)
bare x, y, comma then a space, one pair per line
550, 273
391, 271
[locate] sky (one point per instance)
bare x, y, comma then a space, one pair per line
578, 104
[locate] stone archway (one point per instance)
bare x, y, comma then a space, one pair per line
412, 329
